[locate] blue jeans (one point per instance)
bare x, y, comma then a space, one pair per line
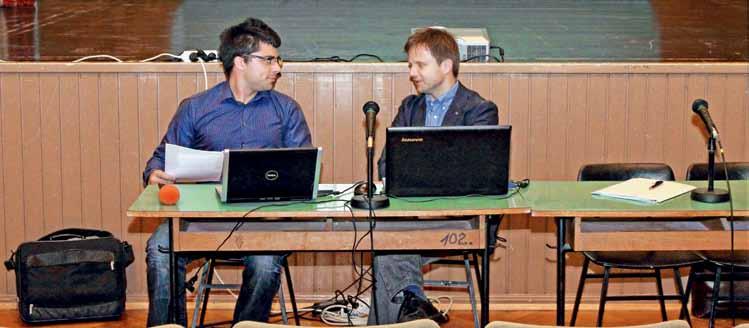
261, 279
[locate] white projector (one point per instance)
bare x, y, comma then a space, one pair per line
473, 43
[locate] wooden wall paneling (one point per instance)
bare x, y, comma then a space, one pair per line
537, 239
655, 121
733, 125
31, 133
500, 95
189, 84
696, 135
518, 254
383, 93
636, 118
519, 106
305, 262
557, 136
324, 117
616, 120
595, 147
482, 83
130, 169
70, 151
673, 132
716, 97
344, 111
148, 137
539, 127
4, 247
109, 143
12, 164
90, 150
324, 137
363, 91
49, 85
499, 264
577, 110
168, 101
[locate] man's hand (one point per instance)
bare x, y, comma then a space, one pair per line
160, 177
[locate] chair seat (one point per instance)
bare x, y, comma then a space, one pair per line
644, 260
740, 259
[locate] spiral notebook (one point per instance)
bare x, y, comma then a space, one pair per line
644, 190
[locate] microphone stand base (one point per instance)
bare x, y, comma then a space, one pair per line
362, 202
710, 196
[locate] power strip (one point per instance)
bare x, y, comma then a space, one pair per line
185, 56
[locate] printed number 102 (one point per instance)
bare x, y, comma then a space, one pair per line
453, 238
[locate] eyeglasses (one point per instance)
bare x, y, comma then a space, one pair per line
268, 59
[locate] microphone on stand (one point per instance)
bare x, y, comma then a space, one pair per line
709, 194
370, 200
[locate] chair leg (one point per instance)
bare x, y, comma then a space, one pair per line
476, 268
471, 291
282, 303
211, 267
199, 295
604, 291
716, 296
661, 298
290, 285
684, 312
580, 287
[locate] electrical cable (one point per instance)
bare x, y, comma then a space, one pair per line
97, 56
161, 55
432, 199
730, 222
500, 50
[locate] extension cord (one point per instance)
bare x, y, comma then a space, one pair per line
185, 56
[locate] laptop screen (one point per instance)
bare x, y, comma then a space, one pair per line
447, 161
270, 174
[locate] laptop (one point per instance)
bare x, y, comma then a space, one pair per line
261, 175
447, 161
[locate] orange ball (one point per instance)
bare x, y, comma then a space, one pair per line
168, 195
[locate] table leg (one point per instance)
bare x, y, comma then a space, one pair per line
172, 276
562, 248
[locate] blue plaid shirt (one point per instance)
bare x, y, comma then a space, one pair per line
214, 120
437, 107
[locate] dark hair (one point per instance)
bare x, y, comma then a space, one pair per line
439, 42
243, 39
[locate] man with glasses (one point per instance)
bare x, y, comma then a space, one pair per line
242, 112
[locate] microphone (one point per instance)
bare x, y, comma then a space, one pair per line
370, 109
699, 107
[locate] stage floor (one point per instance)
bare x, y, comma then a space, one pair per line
529, 31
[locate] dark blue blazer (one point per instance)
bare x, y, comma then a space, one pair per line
467, 108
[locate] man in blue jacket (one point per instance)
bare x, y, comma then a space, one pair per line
433, 64
242, 112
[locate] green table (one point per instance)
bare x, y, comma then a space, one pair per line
201, 201
566, 201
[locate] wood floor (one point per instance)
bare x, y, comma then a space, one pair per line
137, 318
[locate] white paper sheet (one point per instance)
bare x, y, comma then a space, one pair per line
190, 165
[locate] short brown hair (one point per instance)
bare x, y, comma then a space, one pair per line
439, 42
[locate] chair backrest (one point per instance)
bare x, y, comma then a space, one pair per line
624, 171
736, 171
423, 323
665, 324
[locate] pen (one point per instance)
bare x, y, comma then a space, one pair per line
656, 184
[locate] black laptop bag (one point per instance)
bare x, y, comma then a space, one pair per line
71, 274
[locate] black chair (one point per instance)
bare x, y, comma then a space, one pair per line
648, 263
206, 285
718, 263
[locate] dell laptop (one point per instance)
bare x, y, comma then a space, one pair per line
262, 175
447, 161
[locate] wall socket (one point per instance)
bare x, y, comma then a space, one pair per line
185, 56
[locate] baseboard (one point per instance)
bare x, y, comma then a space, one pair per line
519, 302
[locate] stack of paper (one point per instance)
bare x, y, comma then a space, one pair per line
190, 165
645, 190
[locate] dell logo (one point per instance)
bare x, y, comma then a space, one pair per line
271, 175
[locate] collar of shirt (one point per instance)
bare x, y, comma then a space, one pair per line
225, 94
437, 107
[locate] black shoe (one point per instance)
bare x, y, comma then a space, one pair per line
415, 307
